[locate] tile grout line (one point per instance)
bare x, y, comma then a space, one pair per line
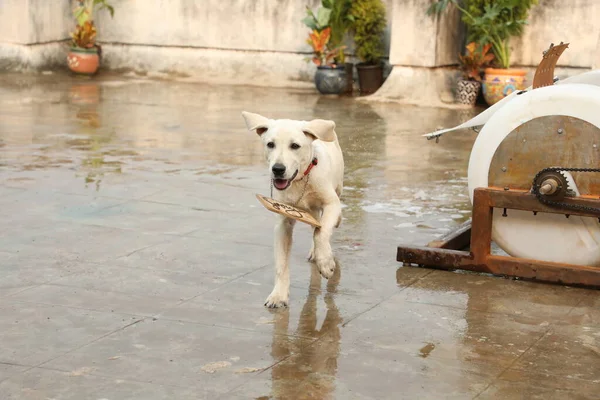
543, 335
235, 328
82, 308
108, 377
257, 374
141, 249
529, 348
583, 297
92, 342
170, 235
143, 199
72, 350
69, 264
213, 289
10, 376
312, 343
355, 316
73, 286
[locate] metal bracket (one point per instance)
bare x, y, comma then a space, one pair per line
544, 74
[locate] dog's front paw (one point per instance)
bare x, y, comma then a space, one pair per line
277, 300
326, 267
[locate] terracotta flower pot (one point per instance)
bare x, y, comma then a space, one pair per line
83, 61
467, 91
499, 83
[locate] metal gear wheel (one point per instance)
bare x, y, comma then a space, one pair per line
552, 184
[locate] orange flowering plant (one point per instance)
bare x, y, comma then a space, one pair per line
475, 58
85, 32
319, 41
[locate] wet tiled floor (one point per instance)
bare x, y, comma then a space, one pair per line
135, 259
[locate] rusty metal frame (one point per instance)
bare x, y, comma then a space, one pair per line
445, 254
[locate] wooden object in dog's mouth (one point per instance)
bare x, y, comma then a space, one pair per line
288, 211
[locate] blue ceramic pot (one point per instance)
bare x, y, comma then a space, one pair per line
330, 80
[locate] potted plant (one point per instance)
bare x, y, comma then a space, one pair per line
330, 77
476, 57
369, 22
494, 22
340, 21
84, 55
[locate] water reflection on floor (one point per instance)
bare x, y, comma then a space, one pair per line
130, 226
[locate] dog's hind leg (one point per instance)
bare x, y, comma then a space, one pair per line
283, 243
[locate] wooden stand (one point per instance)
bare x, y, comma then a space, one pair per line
446, 253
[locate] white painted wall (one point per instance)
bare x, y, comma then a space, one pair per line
420, 40
264, 25
572, 21
263, 41
49, 20
14, 22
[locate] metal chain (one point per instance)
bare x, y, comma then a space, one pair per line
303, 190
546, 201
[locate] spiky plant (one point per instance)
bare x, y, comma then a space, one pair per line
368, 26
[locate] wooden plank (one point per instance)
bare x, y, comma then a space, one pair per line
458, 239
523, 200
288, 211
565, 274
481, 231
541, 271
432, 257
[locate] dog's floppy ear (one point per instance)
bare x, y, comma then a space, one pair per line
320, 129
255, 121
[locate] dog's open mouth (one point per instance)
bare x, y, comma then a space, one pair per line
282, 184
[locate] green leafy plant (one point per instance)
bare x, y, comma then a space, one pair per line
476, 57
340, 21
491, 21
368, 26
85, 31
319, 21
333, 14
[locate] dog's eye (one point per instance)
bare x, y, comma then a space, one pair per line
271, 145
295, 146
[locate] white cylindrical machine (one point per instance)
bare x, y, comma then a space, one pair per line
555, 126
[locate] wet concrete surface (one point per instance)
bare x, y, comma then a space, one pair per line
135, 259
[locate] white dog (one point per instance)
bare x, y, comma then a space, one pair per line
307, 170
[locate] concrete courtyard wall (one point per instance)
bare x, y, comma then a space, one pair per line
262, 42
423, 50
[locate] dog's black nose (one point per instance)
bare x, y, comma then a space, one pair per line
278, 169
